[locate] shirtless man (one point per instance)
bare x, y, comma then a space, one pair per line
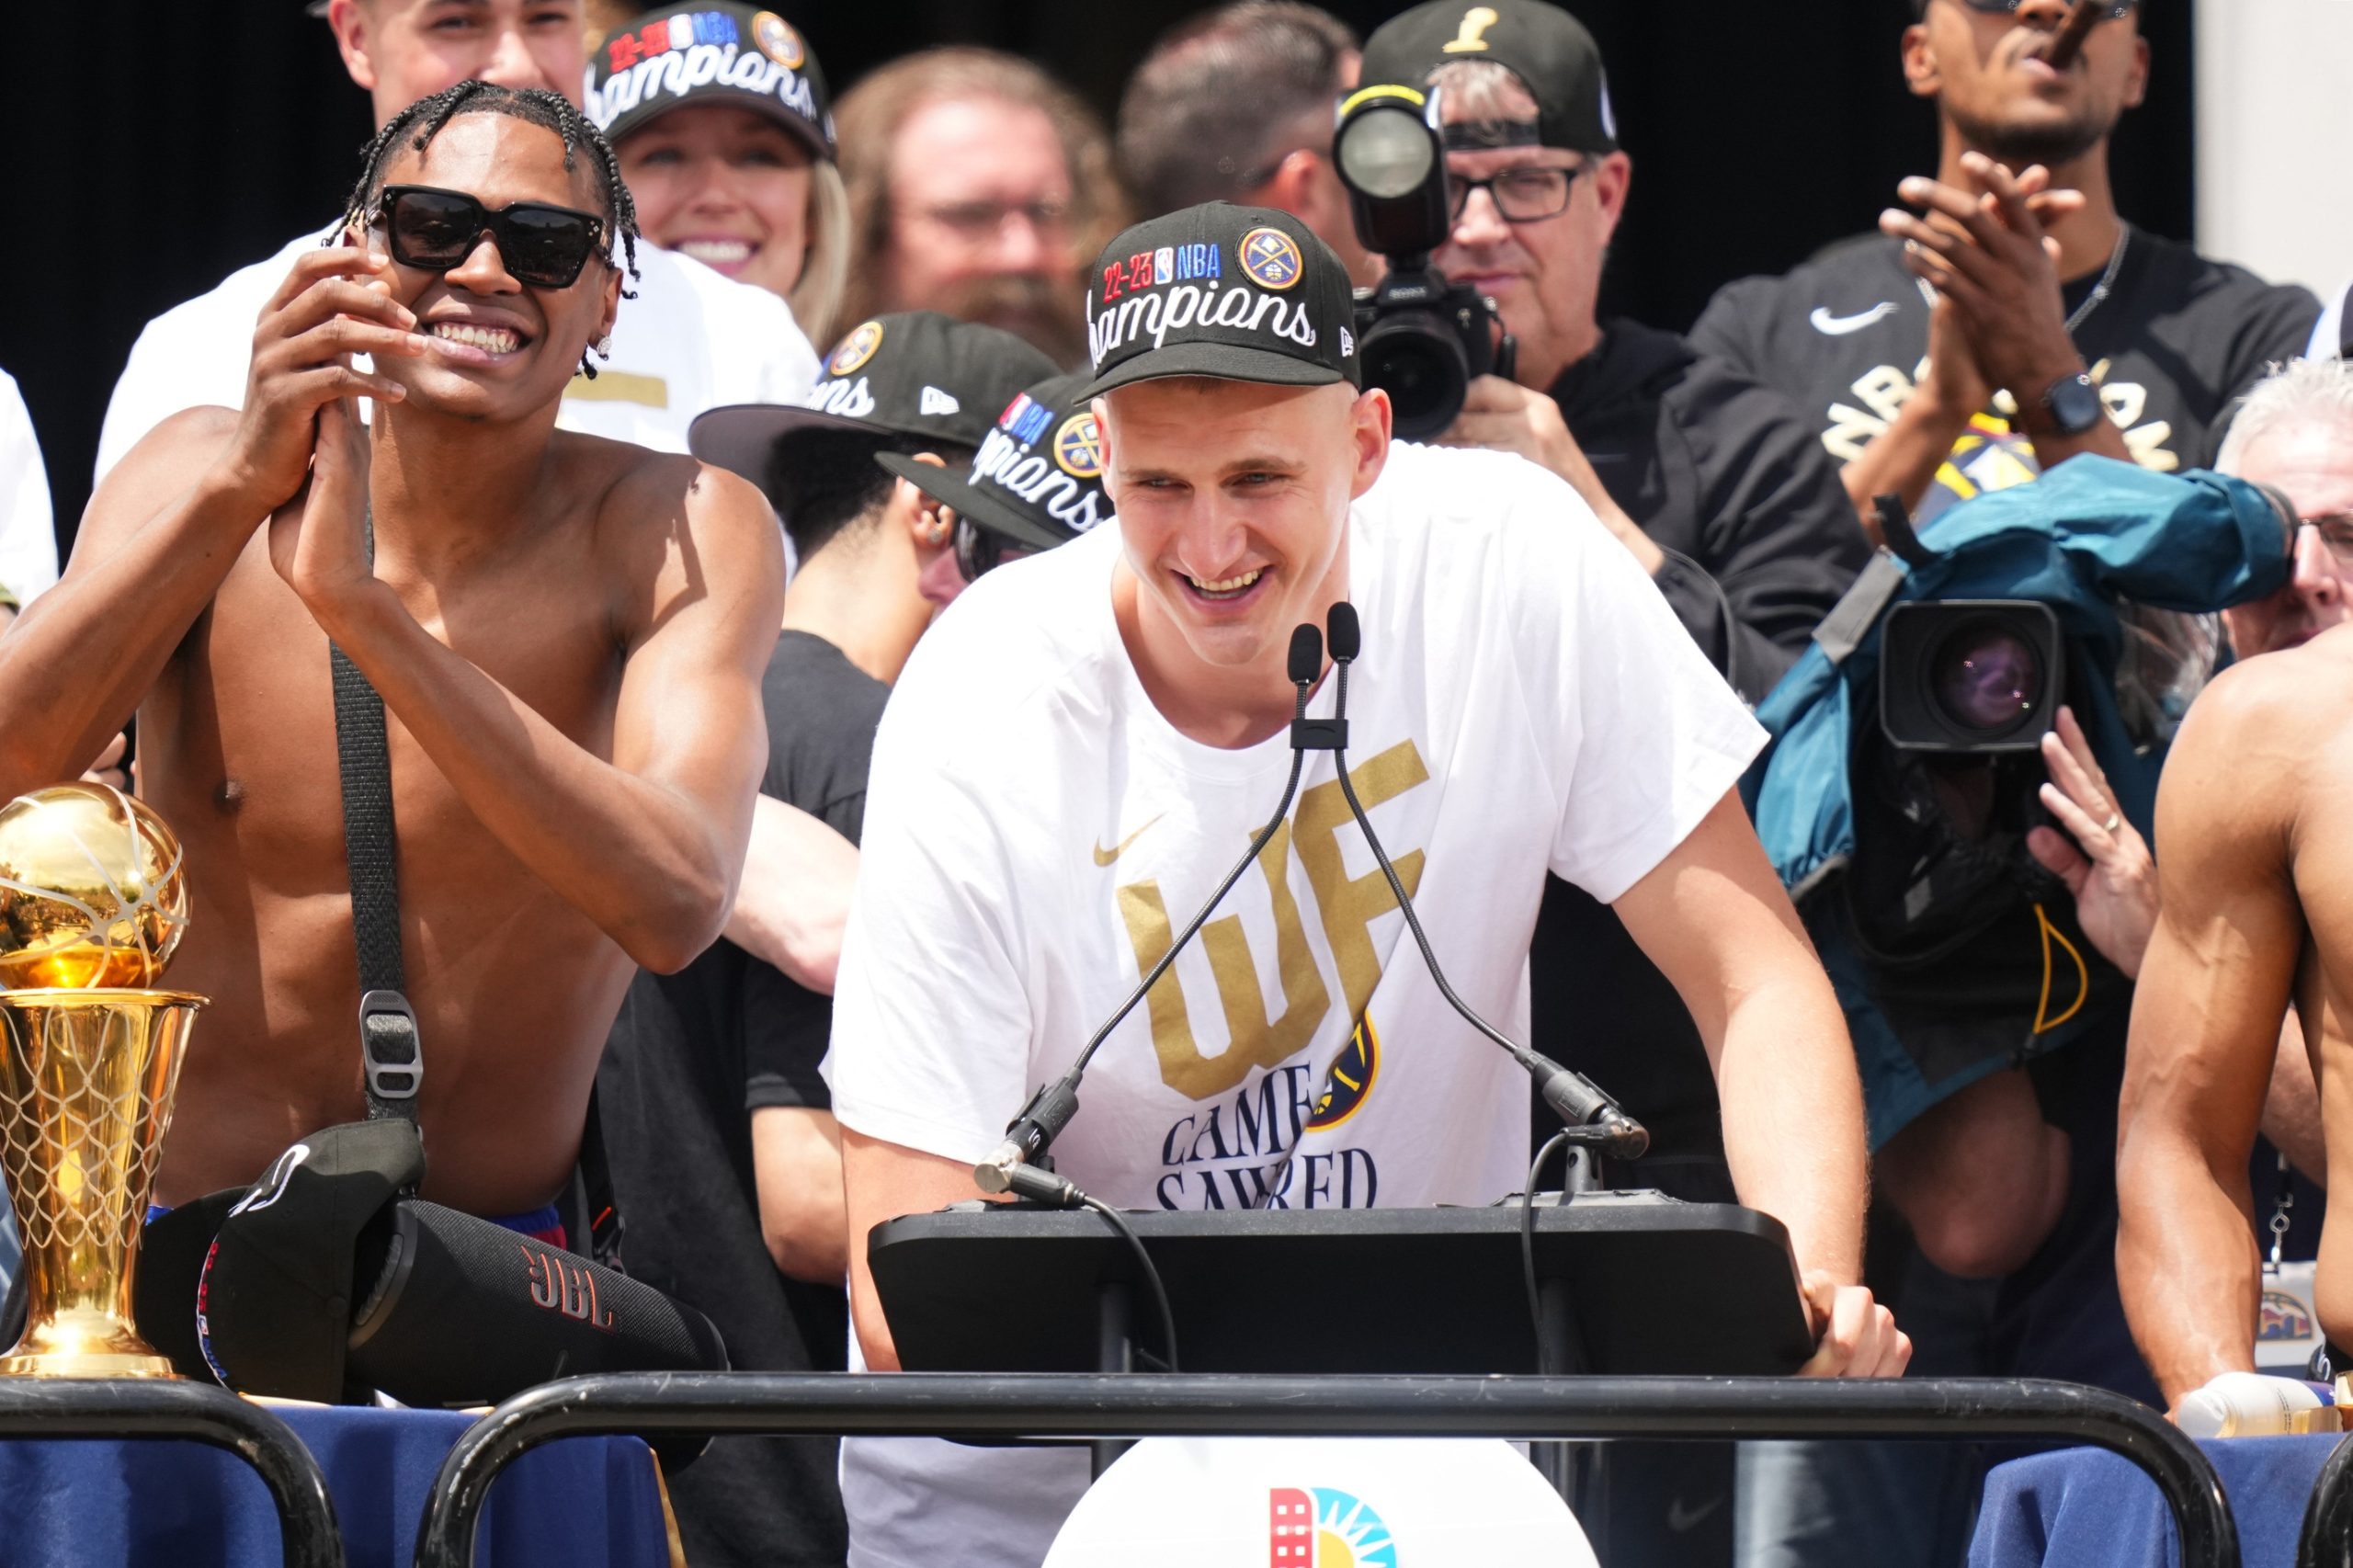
567, 631
2254, 912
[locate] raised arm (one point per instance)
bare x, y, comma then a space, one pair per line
171, 519
2206, 1025
1714, 919
648, 846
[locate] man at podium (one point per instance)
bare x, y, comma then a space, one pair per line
1085, 741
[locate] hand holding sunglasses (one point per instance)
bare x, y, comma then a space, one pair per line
431, 229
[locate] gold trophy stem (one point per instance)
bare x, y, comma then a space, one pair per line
86, 1079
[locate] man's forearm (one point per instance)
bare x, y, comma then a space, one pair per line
634, 857
1793, 1121
78, 662
2186, 1260
792, 903
1902, 460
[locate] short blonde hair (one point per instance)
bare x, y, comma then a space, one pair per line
816, 295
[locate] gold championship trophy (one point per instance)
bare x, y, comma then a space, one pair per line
92, 903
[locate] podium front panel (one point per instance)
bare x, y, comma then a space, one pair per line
1658, 1287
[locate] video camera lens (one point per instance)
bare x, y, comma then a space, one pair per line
1970, 676
1423, 369
1986, 677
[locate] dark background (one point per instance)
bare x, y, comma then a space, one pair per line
201, 138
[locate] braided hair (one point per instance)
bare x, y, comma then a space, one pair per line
419, 124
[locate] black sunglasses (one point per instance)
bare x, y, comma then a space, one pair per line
433, 231
2117, 11
979, 550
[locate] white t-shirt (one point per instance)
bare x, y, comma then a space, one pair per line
691, 340
1035, 830
27, 529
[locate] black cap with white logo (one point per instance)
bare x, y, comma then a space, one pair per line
1545, 47
713, 53
913, 373
1038, 478
1239, 293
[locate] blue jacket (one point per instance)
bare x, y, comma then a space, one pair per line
2089, 533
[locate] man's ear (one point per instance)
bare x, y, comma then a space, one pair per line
2136, 88
1613, 178
928, 519
1368, 427
611, 310
354, 40
1920, 70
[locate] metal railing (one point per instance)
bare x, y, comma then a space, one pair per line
57, 1408
2326, 1538
1069, 1407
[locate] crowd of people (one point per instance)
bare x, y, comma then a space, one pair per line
746, 894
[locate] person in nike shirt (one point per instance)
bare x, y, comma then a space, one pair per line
1077, 748
2017, 319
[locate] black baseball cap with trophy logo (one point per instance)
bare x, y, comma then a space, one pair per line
1038, 480
1238, 293
1546, 48
913, 373
712, 53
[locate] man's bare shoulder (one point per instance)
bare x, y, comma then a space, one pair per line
673, 524
2268, 728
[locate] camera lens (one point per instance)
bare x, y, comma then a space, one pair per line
1385, 153
1986, 677
1414, 359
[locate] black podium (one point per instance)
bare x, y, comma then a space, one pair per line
1632, 1282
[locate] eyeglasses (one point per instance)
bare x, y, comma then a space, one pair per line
976, 222
979, 550
1521, 196
2335, 531
433, 231
2117, 11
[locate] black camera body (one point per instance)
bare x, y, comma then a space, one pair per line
1973, 676
1421, 338
1424, 340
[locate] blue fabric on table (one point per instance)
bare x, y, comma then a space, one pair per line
2089, 1508
580, 1503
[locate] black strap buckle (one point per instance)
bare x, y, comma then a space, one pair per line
388, 1045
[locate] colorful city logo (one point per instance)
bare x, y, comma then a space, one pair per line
1321, 1528
1078, 447
1350, 1079
777, 41
2284, 1317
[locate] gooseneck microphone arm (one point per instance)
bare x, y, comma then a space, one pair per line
1592, 1117
1019, 1164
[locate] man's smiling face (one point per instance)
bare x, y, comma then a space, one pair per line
509, 348
1232, 501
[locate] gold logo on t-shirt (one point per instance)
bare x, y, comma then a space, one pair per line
1348, 906
1105, 857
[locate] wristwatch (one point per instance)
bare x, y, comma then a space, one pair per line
2072, 404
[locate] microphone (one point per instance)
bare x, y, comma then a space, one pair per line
1020, 1165
1591, 1116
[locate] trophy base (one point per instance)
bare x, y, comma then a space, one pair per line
86, 1364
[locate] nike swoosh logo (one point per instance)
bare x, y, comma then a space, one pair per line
1105, 857
1839, 326
1679, 1518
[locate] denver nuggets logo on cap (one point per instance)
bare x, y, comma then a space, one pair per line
1078, 447
1270, 258
777, 41
855, 349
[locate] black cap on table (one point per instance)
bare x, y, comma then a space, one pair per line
1038, 480
1239, 293
1545, 47
912, 373
714, 53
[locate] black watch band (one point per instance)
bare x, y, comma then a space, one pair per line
2070, 404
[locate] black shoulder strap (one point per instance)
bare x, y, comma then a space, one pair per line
392, 1056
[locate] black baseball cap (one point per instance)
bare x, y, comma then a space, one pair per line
716, 52
1543, 45
1241, 294
1038, 479
912, 373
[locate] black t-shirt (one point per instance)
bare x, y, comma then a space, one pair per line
1845, 336
689, 1055
1761, 540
